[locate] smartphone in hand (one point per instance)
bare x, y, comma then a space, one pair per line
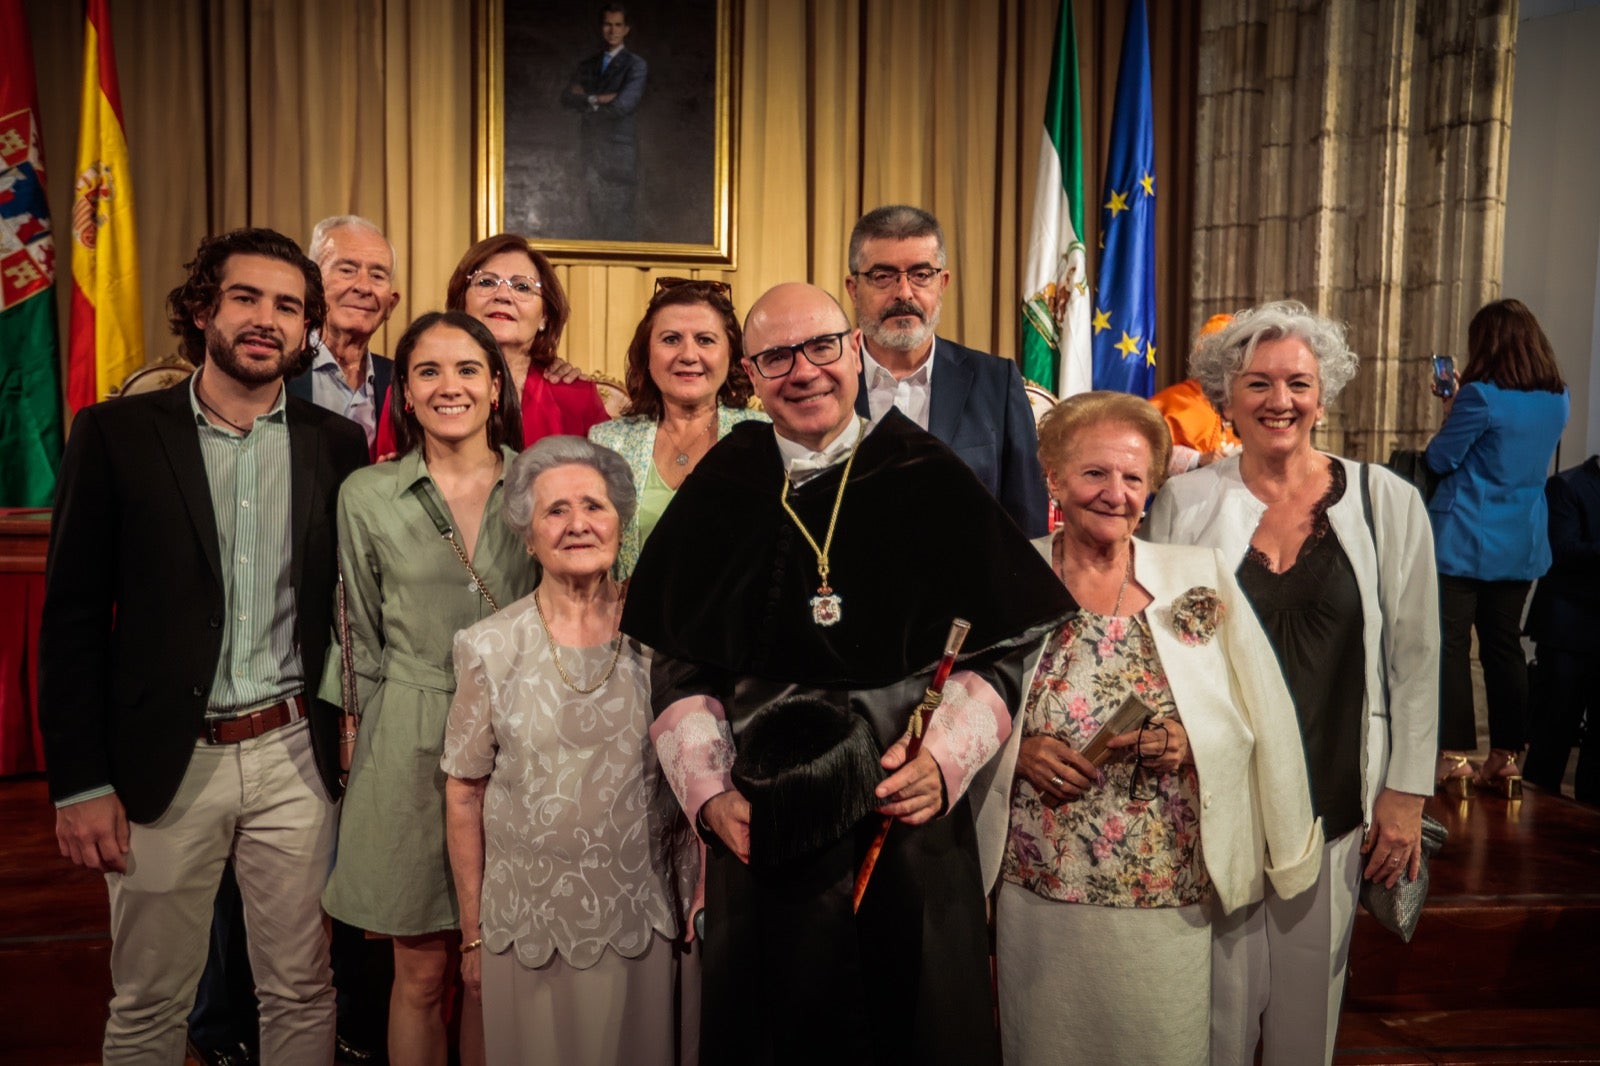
1444, 376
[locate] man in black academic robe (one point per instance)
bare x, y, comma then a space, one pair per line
826, 557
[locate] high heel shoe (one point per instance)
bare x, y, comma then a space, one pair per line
1455, 776
1499, 774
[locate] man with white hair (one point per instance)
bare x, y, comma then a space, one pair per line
346, 376
971, 400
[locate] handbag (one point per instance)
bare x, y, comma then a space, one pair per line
1397, 909
350, 702
1412, 465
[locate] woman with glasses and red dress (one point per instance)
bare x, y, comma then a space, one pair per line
1114, 872
506, 284
686, 390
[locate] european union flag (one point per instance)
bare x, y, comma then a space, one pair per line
1125, 298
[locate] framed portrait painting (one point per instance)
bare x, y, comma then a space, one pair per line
606, 132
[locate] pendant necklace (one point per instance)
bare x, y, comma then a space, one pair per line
682, 458
826, 606
555, 655
243, 430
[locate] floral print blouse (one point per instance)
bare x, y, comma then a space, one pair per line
1105, 848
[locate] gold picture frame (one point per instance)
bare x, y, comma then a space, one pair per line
684, 183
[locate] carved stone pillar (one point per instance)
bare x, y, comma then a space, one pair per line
1352, 155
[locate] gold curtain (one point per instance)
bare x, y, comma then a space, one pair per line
281, 112
1352, 155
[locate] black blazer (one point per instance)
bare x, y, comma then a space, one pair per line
382, 374
980, 410
132, 625
1566, 606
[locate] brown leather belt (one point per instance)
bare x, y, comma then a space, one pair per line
252, 724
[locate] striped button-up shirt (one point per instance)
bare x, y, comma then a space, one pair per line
249, 479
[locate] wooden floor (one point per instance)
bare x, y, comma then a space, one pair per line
1505, 965
1503, 968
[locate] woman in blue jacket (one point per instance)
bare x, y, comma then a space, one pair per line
1489, 519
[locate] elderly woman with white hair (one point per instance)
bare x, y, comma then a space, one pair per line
1336, 558
559, 836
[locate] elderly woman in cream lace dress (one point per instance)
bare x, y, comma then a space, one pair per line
558, 833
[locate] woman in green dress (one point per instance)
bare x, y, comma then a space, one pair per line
423, 553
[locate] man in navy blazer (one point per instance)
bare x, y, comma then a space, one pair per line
606, 89
346, 376
972, 401
1564, 623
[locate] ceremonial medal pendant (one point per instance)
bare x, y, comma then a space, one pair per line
826, 607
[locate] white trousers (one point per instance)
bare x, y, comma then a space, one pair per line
1278, 968
262, 801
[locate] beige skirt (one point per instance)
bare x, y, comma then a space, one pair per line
618, 1012
1112, 985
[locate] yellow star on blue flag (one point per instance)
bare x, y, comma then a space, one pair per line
1127, 281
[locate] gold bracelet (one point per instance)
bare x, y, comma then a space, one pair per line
473, 946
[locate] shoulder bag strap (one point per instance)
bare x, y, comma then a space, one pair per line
350, 720
1377, 570
448, 533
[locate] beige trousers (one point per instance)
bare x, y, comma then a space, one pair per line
1278, 968
263, 801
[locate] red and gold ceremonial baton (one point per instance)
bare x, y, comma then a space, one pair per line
914, 730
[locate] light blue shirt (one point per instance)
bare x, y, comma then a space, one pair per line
330, 391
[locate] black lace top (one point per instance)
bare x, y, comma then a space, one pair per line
1312, 615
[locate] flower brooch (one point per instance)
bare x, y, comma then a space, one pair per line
1196, 615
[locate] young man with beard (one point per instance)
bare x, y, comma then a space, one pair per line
971, 400
187, 611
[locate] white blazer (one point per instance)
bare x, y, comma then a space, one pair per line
1399, 601
1255, 800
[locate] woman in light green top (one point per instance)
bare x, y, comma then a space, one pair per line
686, 390
408, 589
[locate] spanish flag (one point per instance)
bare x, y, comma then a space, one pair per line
106, 335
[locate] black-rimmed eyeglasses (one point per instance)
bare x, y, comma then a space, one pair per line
778, 360
888, 277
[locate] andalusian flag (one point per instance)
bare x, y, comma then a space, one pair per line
107, 332
30, 379
1055, 307
1125, 297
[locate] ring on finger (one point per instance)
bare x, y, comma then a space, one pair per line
1055, 779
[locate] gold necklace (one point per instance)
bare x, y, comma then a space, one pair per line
1058, 554
826, 607
555, 654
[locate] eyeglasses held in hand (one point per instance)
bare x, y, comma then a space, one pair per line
1142, 785
708, 285
522, 287
888, 277
778, 360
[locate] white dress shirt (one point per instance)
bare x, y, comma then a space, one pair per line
913, 394
802, 464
